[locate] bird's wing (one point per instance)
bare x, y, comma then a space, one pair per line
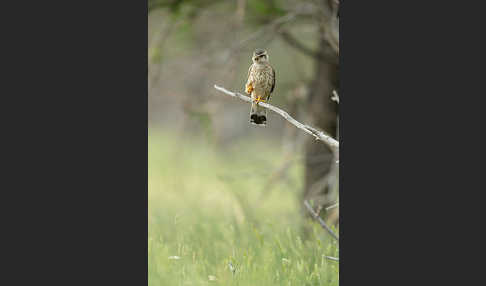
273, 80
273, 83
249, 70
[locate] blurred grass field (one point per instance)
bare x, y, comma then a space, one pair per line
208, 209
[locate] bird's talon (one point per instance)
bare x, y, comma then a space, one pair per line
259, 99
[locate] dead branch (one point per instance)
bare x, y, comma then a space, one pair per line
331, 258
333, 206
318, 134
293, 42
335, 96
320, 220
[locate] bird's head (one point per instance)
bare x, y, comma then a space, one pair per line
260, 56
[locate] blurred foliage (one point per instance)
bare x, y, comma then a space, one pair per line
187, 8
155, 54
205, 121
264, 10
260, 11
203, 208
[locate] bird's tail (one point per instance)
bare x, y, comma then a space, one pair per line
258, 114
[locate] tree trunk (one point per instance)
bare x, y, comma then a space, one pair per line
323, 113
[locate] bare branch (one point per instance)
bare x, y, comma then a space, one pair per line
320, 220
272, 28
333, 206
274, 25
318, 134
240, 11
335, 96
331, 258
293, 42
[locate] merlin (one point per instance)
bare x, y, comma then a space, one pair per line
260, 84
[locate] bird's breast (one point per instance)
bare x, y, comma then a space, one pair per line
262, 77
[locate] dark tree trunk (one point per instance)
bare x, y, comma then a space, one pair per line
323, 113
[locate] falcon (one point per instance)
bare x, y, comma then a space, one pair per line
260, 84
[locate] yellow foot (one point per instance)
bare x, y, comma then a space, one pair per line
259, 99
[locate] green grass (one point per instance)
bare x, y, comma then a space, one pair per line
206, 206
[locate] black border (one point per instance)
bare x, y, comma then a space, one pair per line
405, 210
75, 149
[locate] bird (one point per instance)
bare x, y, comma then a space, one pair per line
260, 85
